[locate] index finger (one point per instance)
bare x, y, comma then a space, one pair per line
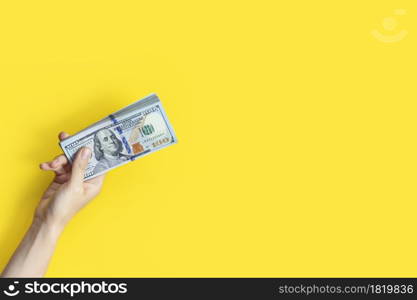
63, 135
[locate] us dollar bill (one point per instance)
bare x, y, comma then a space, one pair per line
129, 133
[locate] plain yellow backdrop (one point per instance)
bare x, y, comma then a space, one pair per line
296, 127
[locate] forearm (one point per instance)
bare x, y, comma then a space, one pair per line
32, 256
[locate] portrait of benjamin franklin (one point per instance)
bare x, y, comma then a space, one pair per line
107, 150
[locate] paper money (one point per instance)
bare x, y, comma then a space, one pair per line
131, 132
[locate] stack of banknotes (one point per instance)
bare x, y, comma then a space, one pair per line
134, 131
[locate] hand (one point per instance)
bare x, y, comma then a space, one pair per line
68, 192
64, 197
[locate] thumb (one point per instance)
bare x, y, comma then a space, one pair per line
79, 165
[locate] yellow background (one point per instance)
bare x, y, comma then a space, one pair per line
296, 127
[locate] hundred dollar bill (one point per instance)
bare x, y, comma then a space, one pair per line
134, 131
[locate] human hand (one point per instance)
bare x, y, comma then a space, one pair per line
68, 192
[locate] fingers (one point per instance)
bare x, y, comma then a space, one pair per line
58, 162
79, 165
45, 166
63, 135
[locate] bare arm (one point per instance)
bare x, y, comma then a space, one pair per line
32, 257
64, 197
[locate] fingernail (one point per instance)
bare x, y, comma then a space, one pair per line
85, 153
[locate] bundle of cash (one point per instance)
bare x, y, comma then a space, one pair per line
134, 131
